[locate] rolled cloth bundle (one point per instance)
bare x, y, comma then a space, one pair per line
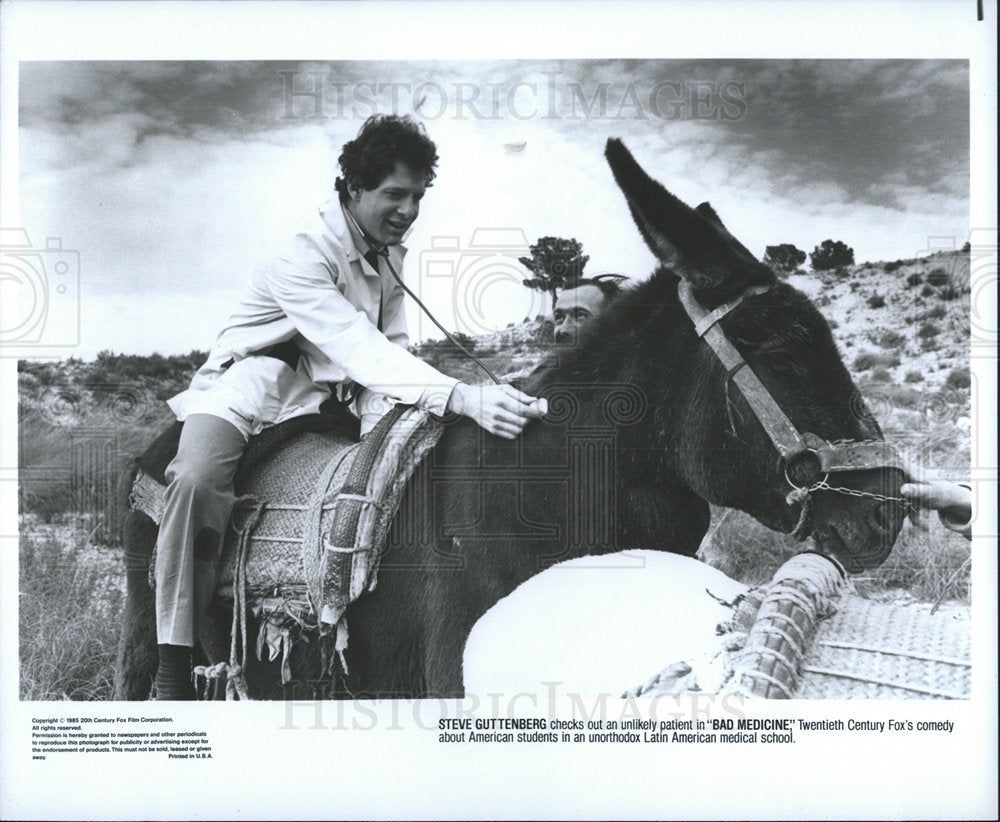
805, 636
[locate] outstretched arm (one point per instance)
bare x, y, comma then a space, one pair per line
952, 502
499, 409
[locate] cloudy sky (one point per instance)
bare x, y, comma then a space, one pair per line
171, 178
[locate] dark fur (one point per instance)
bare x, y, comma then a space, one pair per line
484, 515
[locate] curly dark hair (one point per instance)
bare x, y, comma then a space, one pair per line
384, 140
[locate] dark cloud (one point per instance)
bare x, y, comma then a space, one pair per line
858, 124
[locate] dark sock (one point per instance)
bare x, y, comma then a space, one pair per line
173, 677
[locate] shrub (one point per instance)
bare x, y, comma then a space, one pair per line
881, 375
876, 301
891, 339
938, 277
784, 258
914, 278
864, 361
928, 331
935, 313
914, 376
464, 340
959, 379
928, 291
905, 397
948, 292
890, 267
831, 254
871, 359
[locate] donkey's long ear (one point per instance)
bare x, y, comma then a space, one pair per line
710, 214
695, 245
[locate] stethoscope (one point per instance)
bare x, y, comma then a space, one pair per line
382, 251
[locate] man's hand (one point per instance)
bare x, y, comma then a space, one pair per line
499, 409
953, 500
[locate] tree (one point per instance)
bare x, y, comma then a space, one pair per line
831, 254
555, 262
784, 258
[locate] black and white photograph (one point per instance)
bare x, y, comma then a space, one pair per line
517, 433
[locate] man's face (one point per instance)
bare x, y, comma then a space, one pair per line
574, 308
389, 209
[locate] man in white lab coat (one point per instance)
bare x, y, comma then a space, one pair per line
321, 322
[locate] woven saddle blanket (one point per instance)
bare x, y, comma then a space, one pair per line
306, 535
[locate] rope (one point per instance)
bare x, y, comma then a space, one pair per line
770, 680
203, 673
783, 628
797, 645
236, 686
801, 495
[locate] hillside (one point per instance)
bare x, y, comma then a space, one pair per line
904, 323
902, 327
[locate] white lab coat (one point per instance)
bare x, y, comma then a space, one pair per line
320, 291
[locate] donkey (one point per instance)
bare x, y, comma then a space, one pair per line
646, 427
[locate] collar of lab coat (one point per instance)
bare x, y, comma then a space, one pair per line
333, 215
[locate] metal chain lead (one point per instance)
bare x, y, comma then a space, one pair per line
854, 492
908, 507
804, 497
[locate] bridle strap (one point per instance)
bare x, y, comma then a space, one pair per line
709, 318
832, 456
779, 428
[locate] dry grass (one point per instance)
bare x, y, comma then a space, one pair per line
70, 602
